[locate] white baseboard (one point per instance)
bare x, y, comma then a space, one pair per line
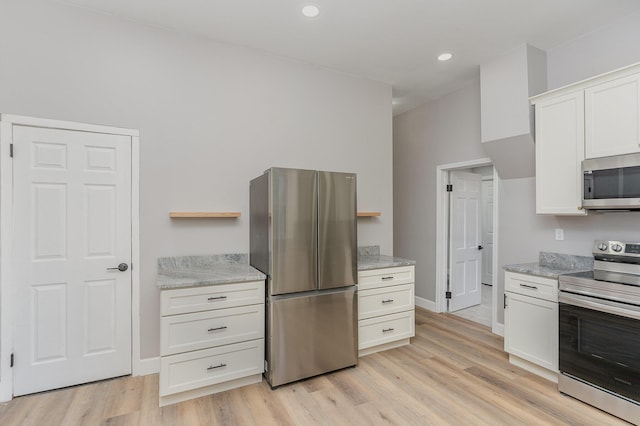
498, 329
425, 304
149, 366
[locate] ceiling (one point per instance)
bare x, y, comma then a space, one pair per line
392, 41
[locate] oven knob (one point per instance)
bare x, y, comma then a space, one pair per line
617, 248
602, 246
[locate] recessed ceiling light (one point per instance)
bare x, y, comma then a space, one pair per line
445, 57
310, 11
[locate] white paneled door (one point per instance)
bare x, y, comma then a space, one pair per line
464, 240
72, 228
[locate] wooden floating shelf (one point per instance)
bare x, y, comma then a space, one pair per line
368, 214
203, 214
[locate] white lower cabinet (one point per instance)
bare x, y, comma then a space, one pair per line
531, 323
211, 339
386, 308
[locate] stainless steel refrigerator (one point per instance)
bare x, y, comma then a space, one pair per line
303, 237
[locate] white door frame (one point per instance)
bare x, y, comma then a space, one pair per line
6, 237
442, 243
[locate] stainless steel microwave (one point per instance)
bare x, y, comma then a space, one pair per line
612, 183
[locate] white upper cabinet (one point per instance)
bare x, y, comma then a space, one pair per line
597, 117
612, 117
559, 152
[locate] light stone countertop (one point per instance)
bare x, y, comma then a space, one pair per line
193, 271
550, 265
369, 257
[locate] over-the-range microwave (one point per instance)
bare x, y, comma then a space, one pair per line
612, 183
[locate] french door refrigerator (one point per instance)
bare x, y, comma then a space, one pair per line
303, 237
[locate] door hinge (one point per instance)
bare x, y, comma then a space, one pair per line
11, 150
11, 362
449, 188
447, 295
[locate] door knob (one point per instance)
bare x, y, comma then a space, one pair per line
480, 247
121, 267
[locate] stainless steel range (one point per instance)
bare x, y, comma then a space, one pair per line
600, 331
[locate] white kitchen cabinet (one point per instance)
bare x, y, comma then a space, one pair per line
612, 117
386, 308
597, 117
531, 323
212, 339
559, 153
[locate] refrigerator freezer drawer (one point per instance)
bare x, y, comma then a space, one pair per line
385, 329
311, 334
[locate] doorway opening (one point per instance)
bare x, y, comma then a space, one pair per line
467, 241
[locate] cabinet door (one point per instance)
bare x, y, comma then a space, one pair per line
612, 117
531, 330
559, 153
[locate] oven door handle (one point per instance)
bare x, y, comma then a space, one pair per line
601, 305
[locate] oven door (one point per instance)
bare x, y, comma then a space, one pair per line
600, 343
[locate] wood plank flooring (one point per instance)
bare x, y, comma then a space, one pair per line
454, 373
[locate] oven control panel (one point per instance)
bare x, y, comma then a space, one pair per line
616, 248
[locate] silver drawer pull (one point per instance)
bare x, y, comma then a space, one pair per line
385, 330
387, 278
388, 301
213, 367
532, 287
217, 328
217, 298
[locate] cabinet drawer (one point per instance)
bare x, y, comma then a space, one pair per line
192, 370
385, 300
529, 285
375, 278
205, 298
385, 329
188, 332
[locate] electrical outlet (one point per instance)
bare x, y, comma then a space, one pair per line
559, 234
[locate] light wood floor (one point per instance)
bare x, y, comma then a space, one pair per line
453, 373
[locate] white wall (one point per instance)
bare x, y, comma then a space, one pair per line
443, 131
599, 51
425, 137
211, 117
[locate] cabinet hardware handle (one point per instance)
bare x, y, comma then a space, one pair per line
504, 303
213, 367
626, 382
533, 287
217, 298
384, 330
388, 301
217, 328
387, 278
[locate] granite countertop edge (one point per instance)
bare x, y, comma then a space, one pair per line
380, 261
199, 271
536, 269
551, 265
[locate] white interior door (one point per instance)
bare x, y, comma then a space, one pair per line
487, 231
72, 222
464, 240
